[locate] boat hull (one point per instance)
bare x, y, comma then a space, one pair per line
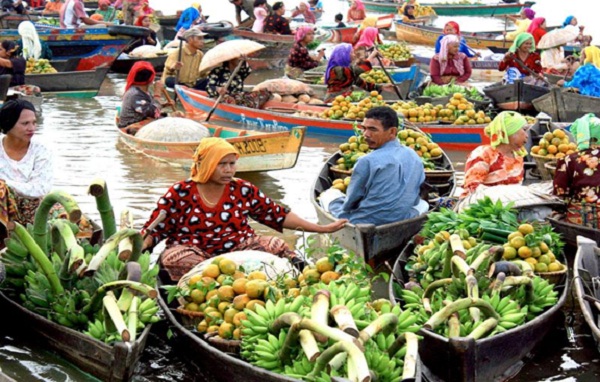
570, 231
564, 106
79, 84
453, 9
495, 358
258, 152
123, 66
585, 268
109, 363
517, 96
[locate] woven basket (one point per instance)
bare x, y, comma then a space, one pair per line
540, 162
554, 277
551, 167
190, 319
227, 346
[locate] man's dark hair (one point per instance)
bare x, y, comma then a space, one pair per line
258, 3
384, 114
278, 5
339, 17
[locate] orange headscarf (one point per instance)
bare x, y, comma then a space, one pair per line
137, 68
209, 153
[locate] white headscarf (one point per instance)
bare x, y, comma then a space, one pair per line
31, 41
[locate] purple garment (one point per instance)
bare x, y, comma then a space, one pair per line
529, 13
341, 56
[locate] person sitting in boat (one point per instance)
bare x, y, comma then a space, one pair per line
184, 68
26, 172
408, 17
356, 11
450, 64
500, 162
341, 74
260, 14
107, 11
385, 186
339, 19
522, 21
452, 28
299, 59
30, 44
247, 6
142, 21
209, 214
190, 17
366, 43
138, 105
585, 81
235, 94
304, 10
537, 29
316, 6
522, 61
275, 23
368, 22
553, 58
12, 64
15, 6
576, 179
73, 15
412, 3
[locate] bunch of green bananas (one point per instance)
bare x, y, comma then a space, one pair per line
265, 353
384, 367
258, 322
16, 263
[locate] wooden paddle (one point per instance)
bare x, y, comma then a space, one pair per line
518, 60
168, 98
235, 72
388, 74
178, 60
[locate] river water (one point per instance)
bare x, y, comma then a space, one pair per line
82, 136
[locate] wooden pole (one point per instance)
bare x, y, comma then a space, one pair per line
235, 72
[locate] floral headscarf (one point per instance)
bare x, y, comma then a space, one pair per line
521, 38
442, 57
341, 56
209, 153
503, 126
535, 24
302, 31
367, 37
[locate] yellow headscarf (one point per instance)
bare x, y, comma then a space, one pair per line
209, 153
503, 126
369, 21
592, 54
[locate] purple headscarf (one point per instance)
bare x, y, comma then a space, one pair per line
341, 56
529, 13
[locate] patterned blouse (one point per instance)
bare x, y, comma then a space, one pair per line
137, 105
299, 58
533, 62
488, 166
577, 177
219, 76
32, 176
214, 229
276, 24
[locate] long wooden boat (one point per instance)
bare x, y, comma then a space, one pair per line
379, 243
278, 116
123, 65
570, 231
79, 84
486, 10
585, 269
496, 358
109, 363
259, 151
565, 106
346, 34
485, 64
97, 47
213, 30
517, 96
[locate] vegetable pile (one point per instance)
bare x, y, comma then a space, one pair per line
434, 91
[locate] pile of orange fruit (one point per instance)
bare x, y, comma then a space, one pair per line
554, 144
538, 255
342, 107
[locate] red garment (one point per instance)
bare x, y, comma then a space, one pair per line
533, 62
436, 76
135, 69
215, 229
276, 24
342, 78
537, 34
299, 58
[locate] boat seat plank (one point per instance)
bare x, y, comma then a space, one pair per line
217, 132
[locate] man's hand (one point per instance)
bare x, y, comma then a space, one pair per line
178, 65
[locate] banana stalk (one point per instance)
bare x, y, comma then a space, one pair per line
338, 361
460, 265
40, 224
454, 326
111, 244
125, 249
287, 319
132, 318
522, 280
94, 304
99, 191
40, 257
435, 285
526, 268
134, 273
309, 345
473, 293
358, 369
507, 267
386, 322
409, 371
396, 346
344, 320
447, 270
110, 306
484, 328
319, 311
290, 340
495, 253
498, 283
457, 246
443, 315
73, 249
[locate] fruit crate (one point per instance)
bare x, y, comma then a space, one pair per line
540, 162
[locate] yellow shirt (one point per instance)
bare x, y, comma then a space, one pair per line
522, 26
189, 72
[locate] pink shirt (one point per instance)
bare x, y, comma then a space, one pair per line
259, 14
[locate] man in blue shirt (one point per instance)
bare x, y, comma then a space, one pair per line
386, 183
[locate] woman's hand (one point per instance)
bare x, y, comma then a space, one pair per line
335, 226
509, 56
221, 90
560, 82
387, 87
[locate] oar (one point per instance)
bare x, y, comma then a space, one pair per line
522, 64
388, 75
235, 71
178, 60
168, 98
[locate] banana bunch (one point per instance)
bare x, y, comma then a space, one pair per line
299, 368
147, 311
259, 321
67, 310
16, 262
353, 296
384, 367
545, 296
96, 330
265, 353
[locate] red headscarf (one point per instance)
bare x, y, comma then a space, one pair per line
454, 25
138, 21
135, 69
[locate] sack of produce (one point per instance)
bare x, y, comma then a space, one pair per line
172, 129
284, 86
146, 51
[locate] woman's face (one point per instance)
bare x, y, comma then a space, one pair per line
302, 7
574, 21
518, 139
146, 22
281, 10
411, 11
449, 29
25, 127
3, 52
308, 37
543, 25
526, 46
453, 48
225, 170
353, 5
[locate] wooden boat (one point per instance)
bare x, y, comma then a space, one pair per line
346, 34
213, 30
517, 96
123, 65
278, 116
79, 84
554, 78
585, 269
496, 358
259, 151
485, 10
485, 64
97, 47
109, 363
378, 243
565, 106
570, 231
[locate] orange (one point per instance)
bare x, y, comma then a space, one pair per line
240, 302
552, 149
212, 270
239, 286
559, 133
517, 242
226, 293
238, 318
524, 252
227, 266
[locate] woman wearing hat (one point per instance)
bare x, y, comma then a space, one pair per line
209, 214
500, 162
25, 164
